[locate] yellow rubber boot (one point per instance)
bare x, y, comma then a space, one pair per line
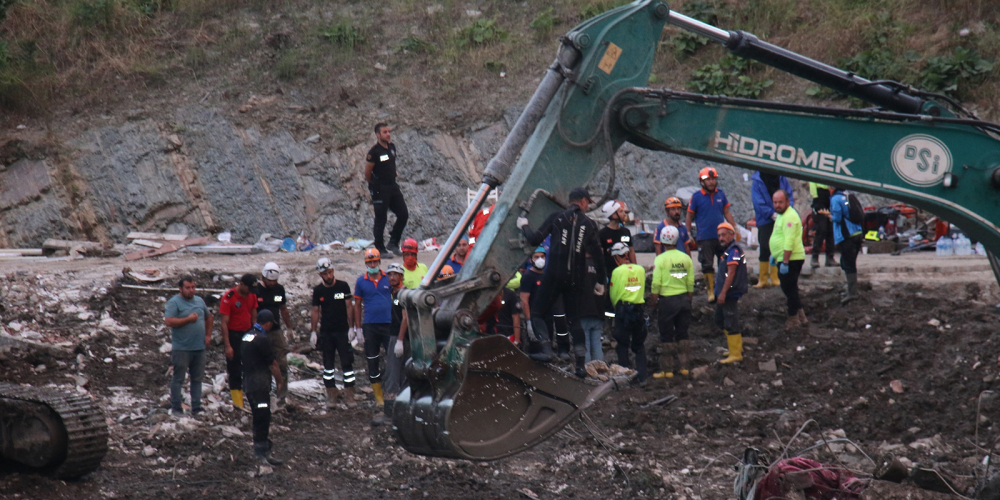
710, 285
764, 274
663, 375
377, 391
735, 349
237, 398
774, 276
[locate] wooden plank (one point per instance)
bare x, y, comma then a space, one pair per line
147, 243
136, 235
172, 290
165, 249
26, 252
222, 249
54, 244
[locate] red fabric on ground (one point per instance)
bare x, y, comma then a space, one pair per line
828, 482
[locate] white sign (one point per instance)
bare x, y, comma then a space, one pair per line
921, 160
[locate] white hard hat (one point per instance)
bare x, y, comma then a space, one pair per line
271, 271
395, 267
669, 235
619, 249
323, 264
610, 207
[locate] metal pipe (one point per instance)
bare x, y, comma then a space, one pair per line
699, 28
502, 163
456, 234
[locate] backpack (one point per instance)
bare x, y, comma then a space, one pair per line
855, 212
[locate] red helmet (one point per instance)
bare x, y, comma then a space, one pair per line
372, 254
672, 202
409, 245
707, 172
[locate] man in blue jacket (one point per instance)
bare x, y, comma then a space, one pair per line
848, 237
761, 190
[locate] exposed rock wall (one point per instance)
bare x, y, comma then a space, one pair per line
200, 173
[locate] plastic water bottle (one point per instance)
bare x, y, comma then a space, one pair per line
963, 245
945, 246
980, 249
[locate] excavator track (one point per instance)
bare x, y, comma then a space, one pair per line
85, 439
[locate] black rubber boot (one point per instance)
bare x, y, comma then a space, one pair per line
562, 342
263, 452
542, 332
852, 288
581, 370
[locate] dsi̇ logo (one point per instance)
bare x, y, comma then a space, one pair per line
921, 160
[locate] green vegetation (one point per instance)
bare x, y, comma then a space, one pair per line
544, 21
731, 76
591, 9
416, 45
343, 34
481, 32
952, 73
685, 43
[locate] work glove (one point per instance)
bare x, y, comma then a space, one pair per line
531, 332
599, 289
521, 222
772, 261
313, 338
783, 268
774, 215
398, 350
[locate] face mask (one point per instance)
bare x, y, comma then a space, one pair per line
372, 270
540, 262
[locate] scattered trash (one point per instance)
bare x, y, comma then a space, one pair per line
896, 386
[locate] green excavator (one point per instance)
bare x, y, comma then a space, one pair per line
478, 397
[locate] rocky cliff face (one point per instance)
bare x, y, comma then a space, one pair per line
200, 173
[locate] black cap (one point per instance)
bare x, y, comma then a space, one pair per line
248, 280
265, 316
580, 193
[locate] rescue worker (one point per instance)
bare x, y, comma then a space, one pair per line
673, 207
395, 379
592, 312
821, 217
333, 313
238, 308
380, 173
615, 232
259, 365
509, 316
848, 238
574, 236
628, 284
373, 315
789, 255
413, 271
673, 279
458, 257
190, 324
707, 209
478, 223
271, 296
531, 280
731, 284
762, 188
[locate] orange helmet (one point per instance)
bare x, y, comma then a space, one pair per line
672, 202
446, 272
726, 225
409, 245
372, 254
707, 172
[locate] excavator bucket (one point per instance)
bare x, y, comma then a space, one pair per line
505, 404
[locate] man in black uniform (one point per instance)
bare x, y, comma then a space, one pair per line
271, 296
380, 172
259, 365
333, 312
615, 232
574, 236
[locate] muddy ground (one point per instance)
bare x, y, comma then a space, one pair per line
939, 339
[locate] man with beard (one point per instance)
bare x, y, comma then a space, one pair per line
673, 207
762, 189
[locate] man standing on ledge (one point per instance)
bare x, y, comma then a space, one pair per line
380, 172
